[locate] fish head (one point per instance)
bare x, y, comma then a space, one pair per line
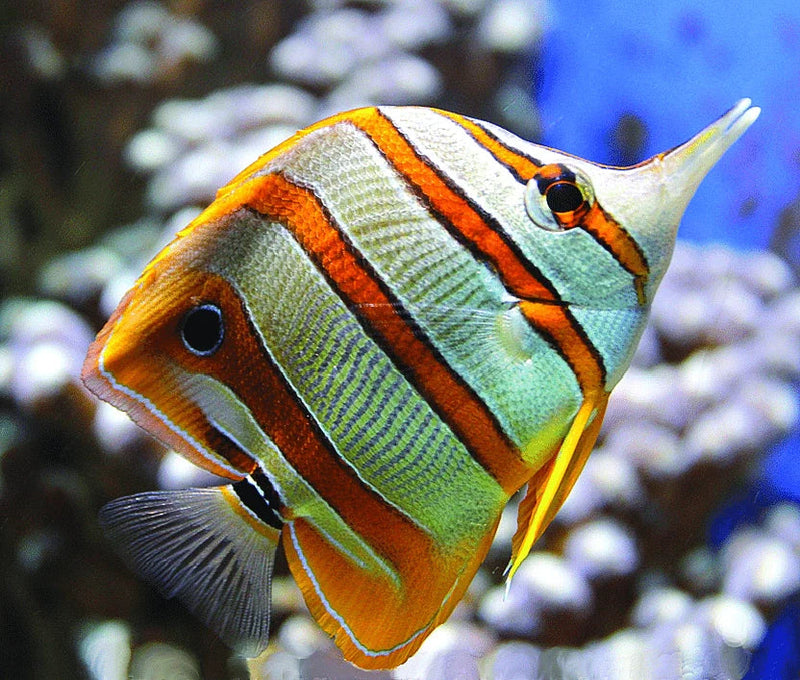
631, 213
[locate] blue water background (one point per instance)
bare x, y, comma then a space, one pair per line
677, 65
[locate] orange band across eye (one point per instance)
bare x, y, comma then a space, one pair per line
566, 198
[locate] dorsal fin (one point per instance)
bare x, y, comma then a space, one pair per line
379, 621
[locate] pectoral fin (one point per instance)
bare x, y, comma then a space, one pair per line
206, 548
550, 486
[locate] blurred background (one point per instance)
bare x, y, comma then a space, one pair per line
678, 553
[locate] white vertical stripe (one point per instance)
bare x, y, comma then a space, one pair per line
453, 297
580, 269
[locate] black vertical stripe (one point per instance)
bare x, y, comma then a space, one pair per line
260, 503
492, 224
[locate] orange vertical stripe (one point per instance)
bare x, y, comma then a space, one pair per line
454, 210
597, 222
522, 166
608, 233
565, 334
296, 207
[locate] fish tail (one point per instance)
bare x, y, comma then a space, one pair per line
211, 548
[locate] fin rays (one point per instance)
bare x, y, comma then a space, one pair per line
199, 546
550, 486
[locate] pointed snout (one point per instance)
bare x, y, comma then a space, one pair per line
649, 199
685, 166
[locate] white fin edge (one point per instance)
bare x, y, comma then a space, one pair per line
203, 547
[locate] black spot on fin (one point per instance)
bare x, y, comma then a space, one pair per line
205, 548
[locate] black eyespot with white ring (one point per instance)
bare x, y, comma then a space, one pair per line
203, 329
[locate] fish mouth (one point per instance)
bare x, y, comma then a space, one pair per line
690, 162
738, 118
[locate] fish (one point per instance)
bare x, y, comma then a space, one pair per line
378, 333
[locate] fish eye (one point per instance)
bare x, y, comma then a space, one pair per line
556, 195
563, 197
202, 329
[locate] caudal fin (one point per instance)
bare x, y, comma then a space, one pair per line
205, 547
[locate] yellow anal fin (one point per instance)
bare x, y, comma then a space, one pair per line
551, 485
